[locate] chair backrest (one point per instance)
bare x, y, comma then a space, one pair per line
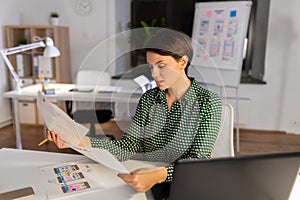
224, 144
93, 78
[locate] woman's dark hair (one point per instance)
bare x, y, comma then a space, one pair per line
167, 42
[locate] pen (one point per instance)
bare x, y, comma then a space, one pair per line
43, 142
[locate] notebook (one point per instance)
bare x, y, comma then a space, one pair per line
259, 177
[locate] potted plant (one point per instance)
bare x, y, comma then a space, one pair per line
154, 23
140, 36
54, 18
22, 41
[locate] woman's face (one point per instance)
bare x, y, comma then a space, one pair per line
165, 70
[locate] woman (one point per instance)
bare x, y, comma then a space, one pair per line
176, 120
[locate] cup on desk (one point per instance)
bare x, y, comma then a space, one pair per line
45, 85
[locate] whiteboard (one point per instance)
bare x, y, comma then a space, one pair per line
219, 34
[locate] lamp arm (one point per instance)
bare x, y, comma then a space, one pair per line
14, 50
12, 70
22, 48
50, 52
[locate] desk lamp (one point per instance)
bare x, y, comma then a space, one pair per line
49, 51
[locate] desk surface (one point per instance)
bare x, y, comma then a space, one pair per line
62, 92
21, 168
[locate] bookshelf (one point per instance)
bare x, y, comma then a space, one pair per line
29, 65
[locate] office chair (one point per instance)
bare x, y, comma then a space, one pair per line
91, 112
224, 144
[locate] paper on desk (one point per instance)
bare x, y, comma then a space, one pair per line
90, 88
73, 176
142, 81
72, 133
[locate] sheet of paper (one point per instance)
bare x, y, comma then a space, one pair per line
72, 133
57, 120
70, 178
97, 88
142, 81
102, 156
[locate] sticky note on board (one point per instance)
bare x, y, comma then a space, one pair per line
209, 13
204, 57
233, 13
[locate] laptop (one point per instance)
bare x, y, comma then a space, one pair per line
256, 177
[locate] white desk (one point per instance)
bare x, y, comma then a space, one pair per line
295, 195
21, 168
62, 92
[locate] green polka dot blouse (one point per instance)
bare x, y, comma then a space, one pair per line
187, 131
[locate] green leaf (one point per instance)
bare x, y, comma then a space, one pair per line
146, 27
153, 22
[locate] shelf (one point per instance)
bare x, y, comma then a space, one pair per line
31, 64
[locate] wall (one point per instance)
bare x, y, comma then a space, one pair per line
275, 106
287, 16
5, 114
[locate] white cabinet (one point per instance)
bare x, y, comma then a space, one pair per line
27, 112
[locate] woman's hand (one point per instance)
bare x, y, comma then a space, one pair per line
55, 137
85, 142
144, 179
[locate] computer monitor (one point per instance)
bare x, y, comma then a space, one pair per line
256, 177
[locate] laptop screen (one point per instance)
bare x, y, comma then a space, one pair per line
259, 177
